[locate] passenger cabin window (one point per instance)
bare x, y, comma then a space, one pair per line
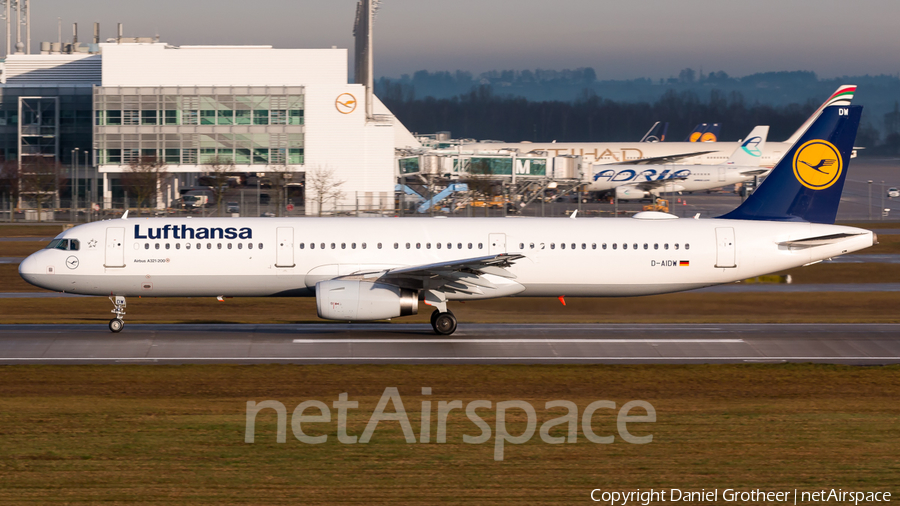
687, 246
302, 245
146, 245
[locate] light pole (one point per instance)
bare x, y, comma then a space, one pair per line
882, 200
89, 189
74, 203
870, 200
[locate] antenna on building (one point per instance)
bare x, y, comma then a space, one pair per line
96, 33
119, 36
74, 33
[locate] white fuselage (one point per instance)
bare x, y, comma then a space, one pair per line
617, 152
669, 178
287, 256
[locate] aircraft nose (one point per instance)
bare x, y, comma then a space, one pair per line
30, 269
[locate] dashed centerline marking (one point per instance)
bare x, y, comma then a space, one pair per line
514, 341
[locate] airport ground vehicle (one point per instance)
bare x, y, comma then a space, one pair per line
893, 193
661, 205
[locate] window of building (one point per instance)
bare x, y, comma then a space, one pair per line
148, 118
131, 117
189, 156
207, 117
113, 117
225, 117
171, 117
295, 156
114, 156
278, 117
260, 156
189, 117
260, 117
173, 156
295, 117
243, 117
242, 156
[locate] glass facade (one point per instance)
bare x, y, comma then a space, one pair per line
196, 125
55, 121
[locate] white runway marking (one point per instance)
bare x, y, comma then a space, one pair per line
512, 341
414, 359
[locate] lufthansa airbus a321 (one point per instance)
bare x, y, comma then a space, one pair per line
373, 269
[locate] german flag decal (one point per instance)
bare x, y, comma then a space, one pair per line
684, 263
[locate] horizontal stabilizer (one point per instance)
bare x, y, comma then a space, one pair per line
821, 240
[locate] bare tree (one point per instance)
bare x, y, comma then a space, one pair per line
9, 179
41, 179
217, 172
323, 186
143, 178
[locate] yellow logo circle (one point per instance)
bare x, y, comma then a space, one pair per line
345, 103
708, 137
817, 164
695, 137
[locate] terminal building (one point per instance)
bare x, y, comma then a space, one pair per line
100, 107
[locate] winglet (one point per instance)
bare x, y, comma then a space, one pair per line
125, 216
574, 214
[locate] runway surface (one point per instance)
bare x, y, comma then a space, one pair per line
862, 344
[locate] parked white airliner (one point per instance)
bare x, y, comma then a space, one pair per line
370, 269
701, 153
642, 181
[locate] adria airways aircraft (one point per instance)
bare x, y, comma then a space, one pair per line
640, 181
639, 153
371, 269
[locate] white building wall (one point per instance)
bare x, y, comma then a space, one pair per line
360, 152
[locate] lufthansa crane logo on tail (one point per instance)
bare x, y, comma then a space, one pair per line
817, 164
345, 103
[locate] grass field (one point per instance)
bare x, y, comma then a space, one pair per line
163, 434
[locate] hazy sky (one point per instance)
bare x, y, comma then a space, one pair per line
619, 39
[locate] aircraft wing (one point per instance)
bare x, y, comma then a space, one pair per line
464, 275
754, 172
660, 160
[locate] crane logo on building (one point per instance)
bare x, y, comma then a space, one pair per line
345, 103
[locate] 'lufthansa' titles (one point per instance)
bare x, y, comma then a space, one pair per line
186, 232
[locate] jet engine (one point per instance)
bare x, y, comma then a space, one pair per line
629, 193
354, 300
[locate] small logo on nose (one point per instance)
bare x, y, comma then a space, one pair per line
72, 262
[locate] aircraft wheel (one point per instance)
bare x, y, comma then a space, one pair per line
434, 315
445, 324
116, 324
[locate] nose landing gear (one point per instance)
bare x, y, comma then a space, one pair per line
117, 323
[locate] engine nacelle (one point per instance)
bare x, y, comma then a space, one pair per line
354, 300
630, 193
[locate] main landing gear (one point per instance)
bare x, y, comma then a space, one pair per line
444, 323
117, 323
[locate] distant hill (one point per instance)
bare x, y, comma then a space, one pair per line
717, 92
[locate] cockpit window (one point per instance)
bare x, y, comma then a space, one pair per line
64, 244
